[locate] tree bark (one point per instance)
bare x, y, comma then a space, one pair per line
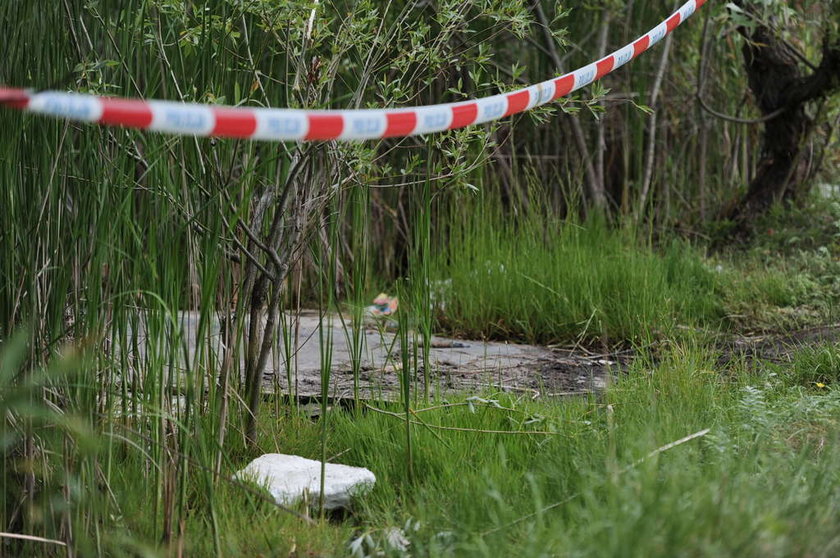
782, 94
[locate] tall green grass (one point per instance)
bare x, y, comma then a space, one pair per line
537, 277
495, 475
578, 478
127, 445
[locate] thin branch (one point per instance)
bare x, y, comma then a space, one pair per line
760, 120
647, 178
32, 538
794, 51
596, 189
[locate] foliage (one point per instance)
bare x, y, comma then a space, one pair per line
121, 431
760, 483
537, 278
814, 368
787, 276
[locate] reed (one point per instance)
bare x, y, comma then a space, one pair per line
146, 281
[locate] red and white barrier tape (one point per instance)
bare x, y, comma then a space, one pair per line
309, 125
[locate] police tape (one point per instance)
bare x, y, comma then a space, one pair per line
312, 125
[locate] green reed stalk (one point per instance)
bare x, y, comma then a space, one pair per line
423, 283
358, 201
361, 243
403, 333
327, 281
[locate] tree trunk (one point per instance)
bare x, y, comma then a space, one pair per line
771, 71
782, 94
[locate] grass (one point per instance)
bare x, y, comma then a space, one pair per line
786, 278
535, 277
729, 493
113, 481
569, 479
539, 278
813, 368
118, 446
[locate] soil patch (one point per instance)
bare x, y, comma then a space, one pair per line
776, 347
456, 365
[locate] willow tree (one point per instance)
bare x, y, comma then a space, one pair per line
790, 90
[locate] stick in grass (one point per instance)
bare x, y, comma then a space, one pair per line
31, 538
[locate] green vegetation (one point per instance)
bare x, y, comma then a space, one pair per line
760, 483
541, 278
544, 279
592, 223
814, 368
579, 478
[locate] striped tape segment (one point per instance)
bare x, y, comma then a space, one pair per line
312, 125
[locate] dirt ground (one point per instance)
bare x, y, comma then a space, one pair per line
468, 366
456, 364
776, 347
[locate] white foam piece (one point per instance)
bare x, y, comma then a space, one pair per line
289, 477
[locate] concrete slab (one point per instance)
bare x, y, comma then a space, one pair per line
455, 364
